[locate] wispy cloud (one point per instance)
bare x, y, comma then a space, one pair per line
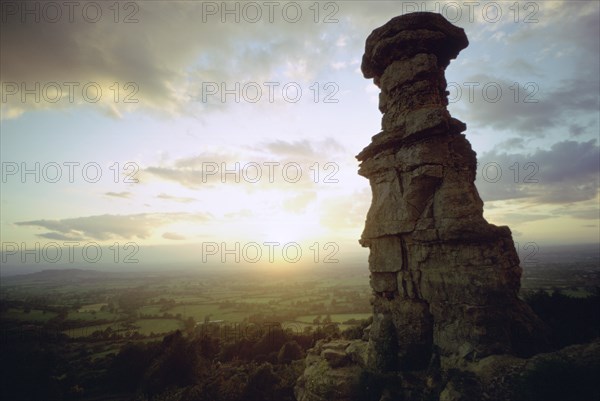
565, 173
167, 73
528, 108
173, 236
108, 226
181, 199
252, 166
124, 195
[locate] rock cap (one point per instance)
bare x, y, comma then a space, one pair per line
408, 35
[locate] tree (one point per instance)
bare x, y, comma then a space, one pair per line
289, 352
261, 383
189, 325
128, 367
176, 366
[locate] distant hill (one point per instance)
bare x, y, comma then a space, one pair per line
569, 253
57, 275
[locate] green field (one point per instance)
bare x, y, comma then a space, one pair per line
199, 311
90, 315
342, 317
157, 326
152, 310
33, 315
191, 299
261, 299
144, 327
92, 307
138, 303
88, 330
336, 318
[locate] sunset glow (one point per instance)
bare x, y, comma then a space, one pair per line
247, 131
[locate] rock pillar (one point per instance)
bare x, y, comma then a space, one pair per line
445, 281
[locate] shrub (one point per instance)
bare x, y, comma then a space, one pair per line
571, 320
559, 380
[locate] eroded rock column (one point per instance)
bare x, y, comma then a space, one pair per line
444, 279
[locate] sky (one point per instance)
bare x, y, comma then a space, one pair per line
225, 132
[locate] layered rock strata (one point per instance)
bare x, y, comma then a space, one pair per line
445, 281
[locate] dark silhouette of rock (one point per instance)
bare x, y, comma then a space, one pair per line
444, 279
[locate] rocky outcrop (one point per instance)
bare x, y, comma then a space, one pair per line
567, 374
332, 371
444, 279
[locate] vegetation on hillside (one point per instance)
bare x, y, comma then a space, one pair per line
167, 339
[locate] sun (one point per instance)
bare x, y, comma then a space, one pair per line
288, 227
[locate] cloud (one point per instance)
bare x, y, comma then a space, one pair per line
339, 65
528, 107
172, 49
567, 172
298, 203
304, 149
166, 55
173, 236
60, 237
587, 211
511, 143
242, 214
346, 212
187, 178
107, 226
576, 130
341, 41
124, 195
563, 23
536, 61
515, 218
199, 160
180, 199
270, 165
522, 66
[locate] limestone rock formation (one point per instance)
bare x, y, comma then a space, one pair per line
445, 281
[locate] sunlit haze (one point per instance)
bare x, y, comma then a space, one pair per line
182, 133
